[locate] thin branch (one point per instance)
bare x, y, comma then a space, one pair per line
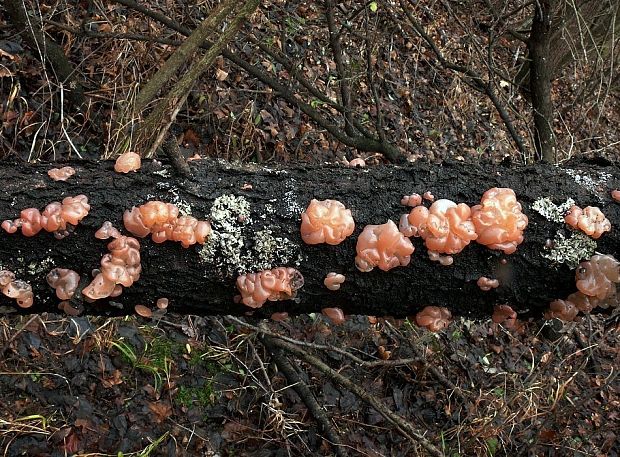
402, 425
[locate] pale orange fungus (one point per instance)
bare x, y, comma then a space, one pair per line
357, 162
143, 311
162, 303
57, 218
129, 161
163, 222
428, 196
412, 200
499, 221
445, 227
107, 230
121, 267
21, 291
61, 174
562, 309
64, 282
589, 220
487, 284
336, 315
504, 315
615, 194
382, 246
333, 280
445, 260
434, 318
598, 276
326, 221
279, 283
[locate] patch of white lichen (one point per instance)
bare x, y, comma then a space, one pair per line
234, 249
570, 251
550, 211
594, 182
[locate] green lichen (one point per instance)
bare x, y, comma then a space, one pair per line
550, 211
570, 251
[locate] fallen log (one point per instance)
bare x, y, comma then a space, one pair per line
255, 213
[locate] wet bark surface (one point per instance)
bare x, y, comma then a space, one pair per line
201, 280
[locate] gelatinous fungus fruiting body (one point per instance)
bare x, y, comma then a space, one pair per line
434, 318
120, 268
487, 284
20, 290
64, 282
163, 222
597, 280
590, 220
412, 200
276, 284
61, 174
382, 246
127, 162
504, 315
615, 194
57, 218
326, 221
333, 280
498, 220
335, 315
107, 230
445, 227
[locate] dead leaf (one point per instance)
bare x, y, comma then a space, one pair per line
220, 74
161, 410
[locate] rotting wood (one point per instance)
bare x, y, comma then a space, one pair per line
258, 228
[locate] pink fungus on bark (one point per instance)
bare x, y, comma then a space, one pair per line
162, 221
487, 284
382, 246
61, 174
128, 161
412, 200
107, 230
326, 221
498, 220
615, 194
428, 196
333, 280
20, 290
589, 220
598, 276
64, 282
276, 284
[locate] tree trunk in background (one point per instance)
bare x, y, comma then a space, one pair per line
258, 228
540, 79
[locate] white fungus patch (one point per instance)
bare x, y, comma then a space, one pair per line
570, 251
550, 211
164, 173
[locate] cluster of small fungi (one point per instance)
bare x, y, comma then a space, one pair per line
61, 174
276, 284
20, 290
597, 283
162, 221
57, 218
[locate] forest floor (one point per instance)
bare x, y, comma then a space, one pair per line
191, 386
187, 385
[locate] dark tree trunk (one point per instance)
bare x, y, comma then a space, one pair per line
201, 283
540, 79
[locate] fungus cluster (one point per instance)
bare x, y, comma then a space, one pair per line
326, 221
505, 315
64, 282
335, 315
445, 227
498, 220
382, 246
412, 200
487, 284
58, 218
276, 284
597, 281
126, 162
434, 318
333, 280
61, 174
590, 220
163, 222
20, 290
615, 194
120, 268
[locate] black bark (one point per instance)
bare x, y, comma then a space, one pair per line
206, 284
